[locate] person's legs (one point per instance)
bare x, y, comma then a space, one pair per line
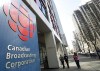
67, 63
63, 64
78, 64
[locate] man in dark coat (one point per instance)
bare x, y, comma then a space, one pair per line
66, 60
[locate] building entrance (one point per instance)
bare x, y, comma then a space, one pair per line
43, 52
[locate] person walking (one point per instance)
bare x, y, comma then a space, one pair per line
66, 60
76, 59
62, 60
46, 62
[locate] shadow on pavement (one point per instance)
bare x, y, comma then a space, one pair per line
66, 69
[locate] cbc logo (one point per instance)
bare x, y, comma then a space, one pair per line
20, 20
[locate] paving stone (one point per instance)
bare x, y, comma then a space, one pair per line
87, 64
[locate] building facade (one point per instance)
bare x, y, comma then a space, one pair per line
87, 21
34, 38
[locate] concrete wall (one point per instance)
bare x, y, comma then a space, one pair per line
51, 50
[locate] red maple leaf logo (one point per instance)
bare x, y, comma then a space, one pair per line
20, 20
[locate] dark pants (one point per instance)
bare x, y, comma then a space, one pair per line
67, 63
63, 64
77, 63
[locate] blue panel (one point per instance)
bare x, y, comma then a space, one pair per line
19, 49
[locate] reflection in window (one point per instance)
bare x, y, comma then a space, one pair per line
42, 6
38, 3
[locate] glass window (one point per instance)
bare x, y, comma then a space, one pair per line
43, 10
38, 3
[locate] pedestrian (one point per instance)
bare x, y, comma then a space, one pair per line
62, 60
76, 59
66, 60
46, 62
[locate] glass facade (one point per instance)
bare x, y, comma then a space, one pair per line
53, 18
42, 6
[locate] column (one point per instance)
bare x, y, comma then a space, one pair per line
51, 50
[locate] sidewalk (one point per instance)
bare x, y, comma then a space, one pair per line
87, 64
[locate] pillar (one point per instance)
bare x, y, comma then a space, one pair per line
51, 50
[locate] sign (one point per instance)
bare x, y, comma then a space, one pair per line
19, 49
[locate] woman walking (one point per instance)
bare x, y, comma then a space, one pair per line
76, 59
